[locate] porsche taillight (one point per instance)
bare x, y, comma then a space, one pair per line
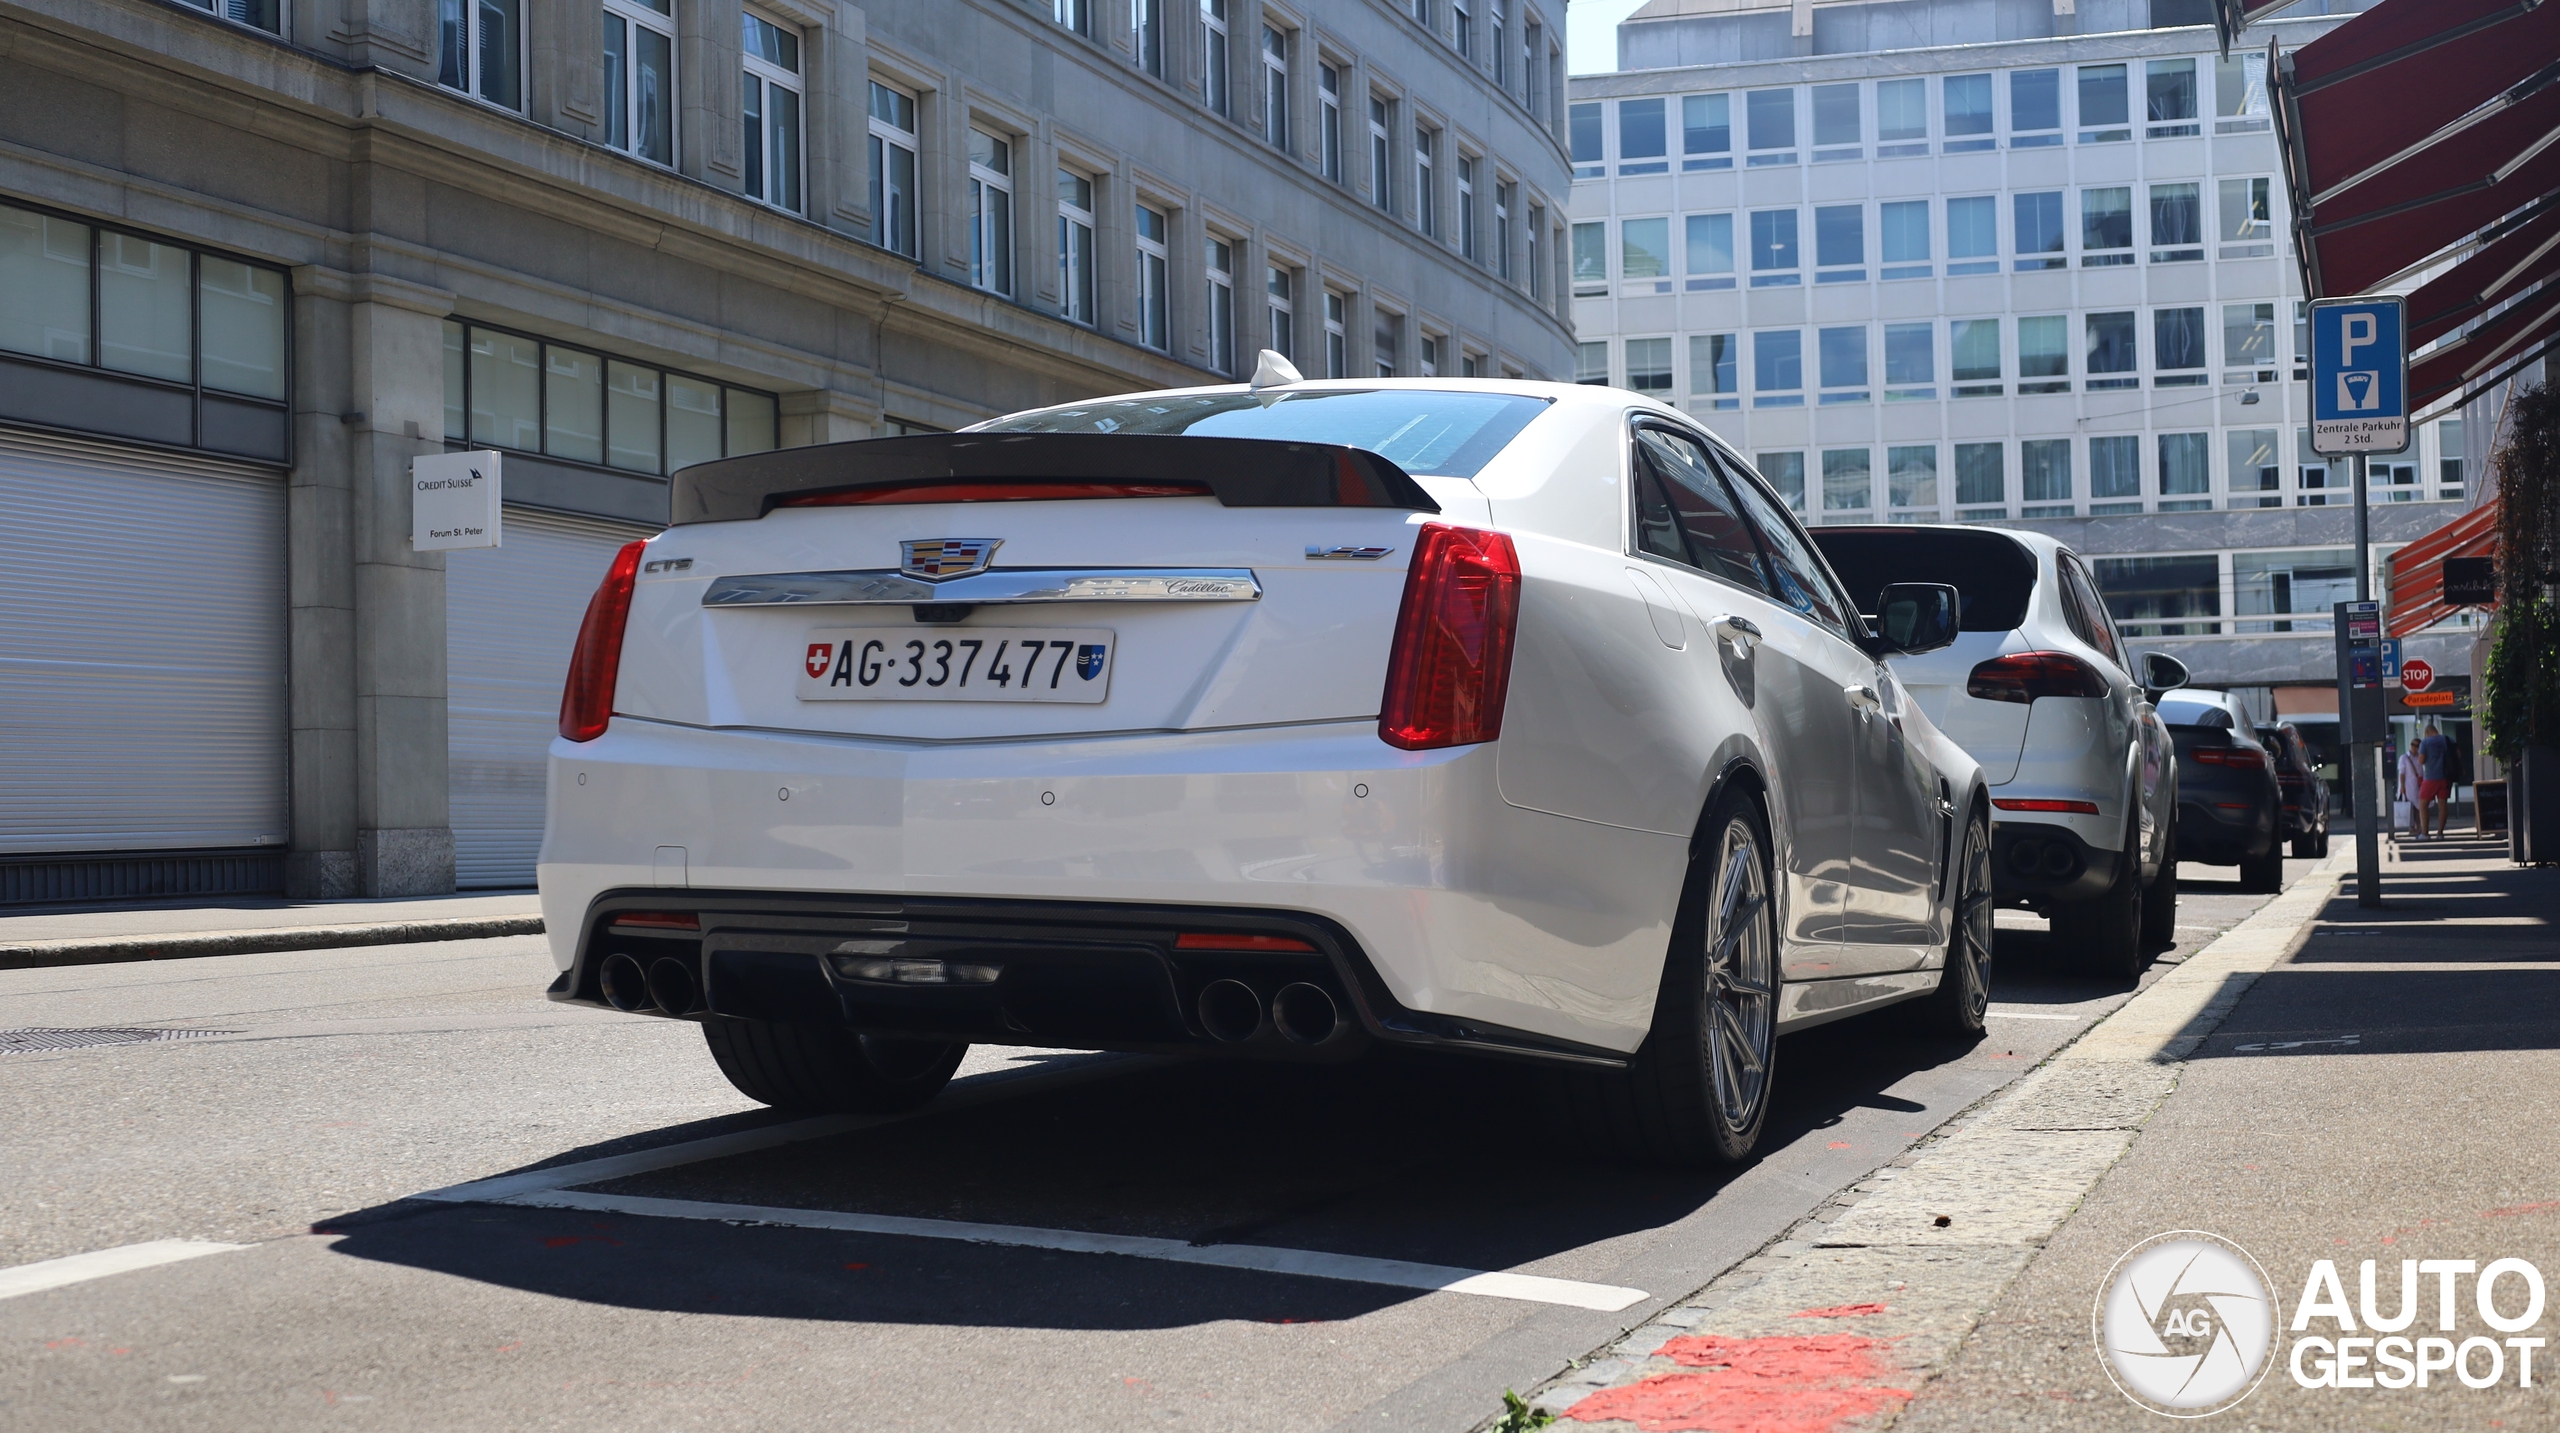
1451, 664
2249, 757
2025, 676
586, 698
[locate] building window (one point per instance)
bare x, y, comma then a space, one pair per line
1386, 342
1777, 368
1532, 44
1591, 364
2038, 230
1911, 482
2106, 227
1146, 28
2186, 472
1644, 255
480, 49
1784, 473
1213, 55
264, 15
2301, 340
2105, 116
1537, 245
1381, 165
2115, 476
1076, 15
2307, 583
1844, 364
1839, 124
893, 170
640, 78
1503, 191
2257, 475
1154, 326
2169, 98
1706, 132
1431, 343
1902, 118
769, 98
1848, 484
1649, 367
1329, 122
2240, 93
509, 390
2449, 457
1422, 13
1710, 245
990, 212
2044, 475
2177, 224
1776, 259
2044, 354
1967, 102
1642, 143
1220, 258
1426, 189
1467, 206
1910, 361
1902, 233
2177, 348
1462, 25
1498, 33
1973, 346
2035, 108
1075, 246
2112, 360
1280, 288
1337, 337
1582, 126
1714, 380
1590, 259
1982, 482
1275, 88
2249, 343
1973, 235
1770, 119
2247, 231
2314, 473
1840, 244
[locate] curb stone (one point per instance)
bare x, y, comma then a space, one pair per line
1917, 1253
106, 949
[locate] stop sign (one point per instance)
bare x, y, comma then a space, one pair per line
2416, 675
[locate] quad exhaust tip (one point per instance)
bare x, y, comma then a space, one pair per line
1230, 1011
626, 985
1304, 1014
673, 986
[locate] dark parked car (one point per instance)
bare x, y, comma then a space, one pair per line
2304, 817
2228, 801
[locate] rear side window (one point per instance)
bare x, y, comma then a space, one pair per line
1800, 579
1706, 523
2096, 629
1993, 574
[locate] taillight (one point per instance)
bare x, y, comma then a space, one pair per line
951, 492
1215, 940
1452, 660
2241, 756
2025, 676
2035, 803
586, 698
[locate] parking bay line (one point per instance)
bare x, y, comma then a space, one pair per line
99, 1263
1305, 1263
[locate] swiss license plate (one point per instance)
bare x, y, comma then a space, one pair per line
956, 664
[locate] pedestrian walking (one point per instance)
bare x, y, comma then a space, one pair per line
2410, 776
2435, 777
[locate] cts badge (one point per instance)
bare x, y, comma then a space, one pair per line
939, 558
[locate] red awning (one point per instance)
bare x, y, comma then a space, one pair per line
2513, 257
2416, 572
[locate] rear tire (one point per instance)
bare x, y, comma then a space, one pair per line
2313, 846
2160, 910
2105, 933
815, 1067
2265, 875
1962, 1000
1697, 1093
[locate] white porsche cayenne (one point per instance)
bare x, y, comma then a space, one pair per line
1499, 718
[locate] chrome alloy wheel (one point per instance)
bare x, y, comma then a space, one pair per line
1969, 952
1741, 988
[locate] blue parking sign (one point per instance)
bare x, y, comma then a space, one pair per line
2359, 376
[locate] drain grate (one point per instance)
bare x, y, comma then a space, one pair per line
21, 1042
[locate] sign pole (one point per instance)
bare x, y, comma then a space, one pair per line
2368, 748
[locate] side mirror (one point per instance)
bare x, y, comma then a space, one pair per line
1915, 617
2162, 672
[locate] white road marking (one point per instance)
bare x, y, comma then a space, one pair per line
80, 1268
1349, 1268
2032, 1015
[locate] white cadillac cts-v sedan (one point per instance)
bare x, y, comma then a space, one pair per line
1496, 718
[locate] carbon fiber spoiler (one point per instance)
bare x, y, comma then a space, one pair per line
1239, 472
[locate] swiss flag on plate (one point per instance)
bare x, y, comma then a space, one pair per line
820, 654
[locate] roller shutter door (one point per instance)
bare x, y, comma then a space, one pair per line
511, 617
142, 651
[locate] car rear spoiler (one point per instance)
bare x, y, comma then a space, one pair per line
1239, 472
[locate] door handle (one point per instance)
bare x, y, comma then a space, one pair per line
1739, 630
1862, 697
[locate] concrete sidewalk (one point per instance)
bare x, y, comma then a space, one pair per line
159, 930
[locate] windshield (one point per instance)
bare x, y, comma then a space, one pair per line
1437, 434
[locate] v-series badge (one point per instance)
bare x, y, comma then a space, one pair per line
668, 564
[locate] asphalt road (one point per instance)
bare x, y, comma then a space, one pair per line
345, 1084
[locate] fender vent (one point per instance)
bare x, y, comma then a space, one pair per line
27, 1041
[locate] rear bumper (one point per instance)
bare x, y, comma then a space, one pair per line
2035, 860
1457, 905
2217, 830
